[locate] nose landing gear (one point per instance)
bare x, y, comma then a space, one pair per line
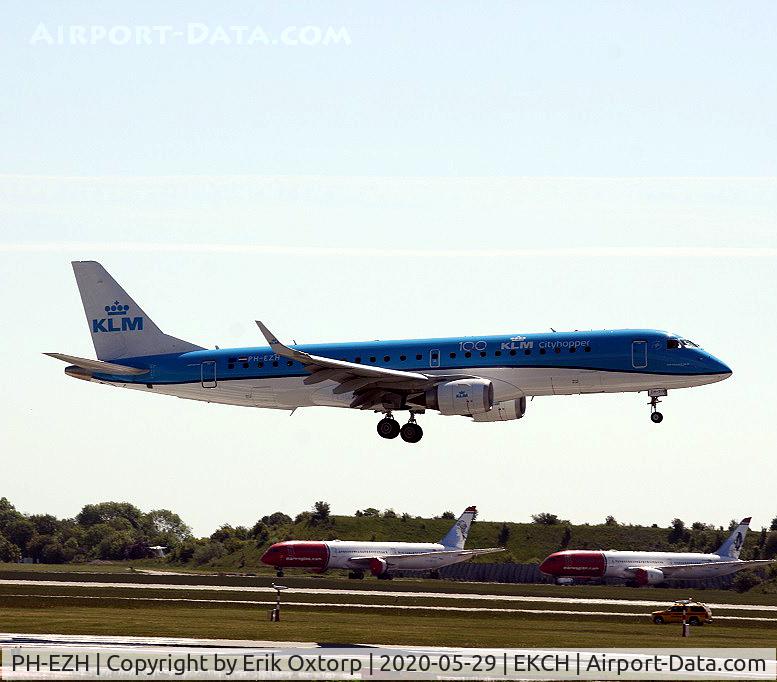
655, 416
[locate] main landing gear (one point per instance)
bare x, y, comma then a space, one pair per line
655, 416
388, 427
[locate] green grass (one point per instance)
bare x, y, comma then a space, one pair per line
346, 627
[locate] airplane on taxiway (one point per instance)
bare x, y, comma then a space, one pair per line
380, 558
487, 378
651, 568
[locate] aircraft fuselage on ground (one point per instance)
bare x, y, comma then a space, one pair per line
651, 568
380, 558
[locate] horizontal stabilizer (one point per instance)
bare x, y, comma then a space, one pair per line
98, 366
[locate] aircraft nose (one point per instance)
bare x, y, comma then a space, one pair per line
719, 367
551, 565
273, 556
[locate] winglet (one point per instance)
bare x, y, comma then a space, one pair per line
278, 347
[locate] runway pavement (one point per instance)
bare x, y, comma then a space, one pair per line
384, 593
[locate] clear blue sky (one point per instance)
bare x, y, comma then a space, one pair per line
423, 178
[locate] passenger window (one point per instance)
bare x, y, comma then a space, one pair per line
497, 353
467, 354
231, 365
588, 349
402, 358
556, 350
274, 363
372, 358
482, 354
542, 351
260, 364
573, 350
386, 358
453, 355
245, 365
527, 351
357, 360
512, 351
289, 362
418, 356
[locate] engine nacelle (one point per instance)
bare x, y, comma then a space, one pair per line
378, 566
648, 576
461, 397
504, 411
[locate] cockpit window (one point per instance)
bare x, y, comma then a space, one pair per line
680, 343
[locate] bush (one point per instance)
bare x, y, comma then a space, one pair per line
545, 519
260, 532
745, 580
389, 514
276, 519
208, 552
447, 515
8, 550
53, 553
320, 512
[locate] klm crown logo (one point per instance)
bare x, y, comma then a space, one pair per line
117, 320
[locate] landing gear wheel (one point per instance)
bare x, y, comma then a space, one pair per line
279, 574
655, 416
658, 620
411, 432
388, 428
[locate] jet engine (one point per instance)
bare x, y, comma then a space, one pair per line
461, 397
648, 576
378, 566
504, 411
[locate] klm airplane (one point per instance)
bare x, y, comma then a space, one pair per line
487, 378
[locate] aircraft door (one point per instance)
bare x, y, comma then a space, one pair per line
208, 374
434, 358
639, 354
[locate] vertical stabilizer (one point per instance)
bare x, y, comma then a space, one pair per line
733, 546
457, 535
119, 326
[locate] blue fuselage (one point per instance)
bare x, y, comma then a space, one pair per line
631, 351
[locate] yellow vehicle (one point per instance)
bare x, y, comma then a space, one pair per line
695, 613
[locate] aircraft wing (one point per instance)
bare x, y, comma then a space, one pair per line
371, 386
400, 560
720, 567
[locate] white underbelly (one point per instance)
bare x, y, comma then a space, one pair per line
509, 384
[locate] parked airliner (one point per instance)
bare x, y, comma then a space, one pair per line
380, 558
650, 568
487, 378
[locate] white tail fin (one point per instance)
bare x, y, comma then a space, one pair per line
733, 546
457, 535
118, 325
